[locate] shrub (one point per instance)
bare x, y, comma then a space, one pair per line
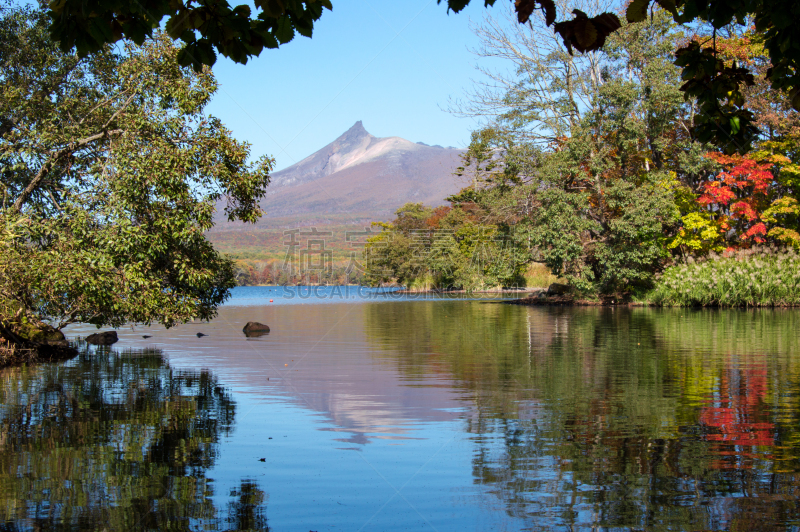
746, 278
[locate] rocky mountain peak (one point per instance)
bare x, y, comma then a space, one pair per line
365, 176
356, 130
354, 147
327, 160
356, 136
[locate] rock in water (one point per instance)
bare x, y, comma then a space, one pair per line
54, 337
103, 338
253, 328
41, 333
557, 289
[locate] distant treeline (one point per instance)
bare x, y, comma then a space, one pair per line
278, 272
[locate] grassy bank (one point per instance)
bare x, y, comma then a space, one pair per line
536, 276
748, 278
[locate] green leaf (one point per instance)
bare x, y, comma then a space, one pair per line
735, 126
669, 5
242, 11
637, 10
455, 5
794, 94
284, 32
100, 31
586, 33
177, 24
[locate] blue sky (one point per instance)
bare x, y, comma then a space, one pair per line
391, 64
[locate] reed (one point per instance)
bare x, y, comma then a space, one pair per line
755, 277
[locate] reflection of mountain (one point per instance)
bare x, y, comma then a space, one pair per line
364, 397
360, 176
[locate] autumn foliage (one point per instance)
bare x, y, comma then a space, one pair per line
738, 195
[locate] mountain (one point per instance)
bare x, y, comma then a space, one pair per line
359, 178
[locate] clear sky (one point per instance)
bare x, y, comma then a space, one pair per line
391, 64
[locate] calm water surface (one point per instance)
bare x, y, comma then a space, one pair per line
380, 412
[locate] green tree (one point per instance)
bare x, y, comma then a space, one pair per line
581, 167
211, 27
448, 247
596, 199
396, 253
110, 175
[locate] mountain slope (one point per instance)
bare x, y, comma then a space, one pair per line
359, 177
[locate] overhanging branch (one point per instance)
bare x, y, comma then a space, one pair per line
54, 159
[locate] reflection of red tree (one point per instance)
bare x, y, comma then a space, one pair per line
736, 420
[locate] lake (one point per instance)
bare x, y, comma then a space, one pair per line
378, 411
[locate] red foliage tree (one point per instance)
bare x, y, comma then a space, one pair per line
739, 194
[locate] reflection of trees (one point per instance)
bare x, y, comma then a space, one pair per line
628, 418
738, 417
246, 511
120, 442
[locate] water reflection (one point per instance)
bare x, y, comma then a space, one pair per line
119, 442
626, 419
316, 356
507, 416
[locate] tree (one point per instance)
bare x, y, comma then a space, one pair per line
545, 90
208, 27
110, 175
615, 154
718, 87
205, 27
752, 198
584, 166
447, 247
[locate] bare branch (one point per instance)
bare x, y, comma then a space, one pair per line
544, 90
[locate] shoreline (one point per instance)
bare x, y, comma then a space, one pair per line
531, 296
461, 291
15, 355
400, 290
32, 343
566, 301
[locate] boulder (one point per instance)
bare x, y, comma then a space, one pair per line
26, 342
557, 289
52, 336
253, 328
103, 338
42, 333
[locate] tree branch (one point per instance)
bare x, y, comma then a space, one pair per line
118, 111
55, 159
